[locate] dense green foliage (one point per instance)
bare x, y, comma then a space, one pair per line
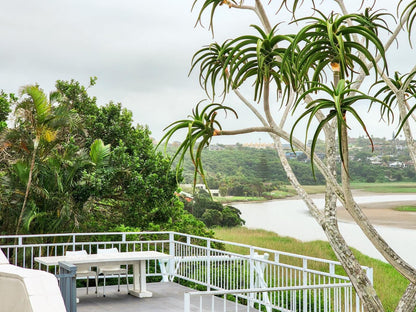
213, 213
238, 170
5, 101
71, 166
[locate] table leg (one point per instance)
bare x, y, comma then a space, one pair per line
139, 280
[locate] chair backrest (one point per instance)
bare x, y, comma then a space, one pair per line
107, 250
80, 267
76, 253
108, 267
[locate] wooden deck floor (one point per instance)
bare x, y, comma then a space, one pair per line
167, 297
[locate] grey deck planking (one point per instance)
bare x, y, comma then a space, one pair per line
167, 297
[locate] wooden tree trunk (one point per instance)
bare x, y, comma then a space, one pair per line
29, 183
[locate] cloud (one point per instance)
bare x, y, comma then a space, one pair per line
139, 50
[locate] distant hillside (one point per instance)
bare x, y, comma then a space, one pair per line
235, 164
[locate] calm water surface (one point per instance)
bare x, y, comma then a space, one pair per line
291, 218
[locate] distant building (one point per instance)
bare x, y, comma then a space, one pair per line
397, 164
375, 160
293, 155
258, 145
216, 147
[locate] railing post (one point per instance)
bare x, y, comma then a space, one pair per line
171, 262
187, 302
332, 269
208, 264
252, 280
277, 257
305, 283
74, 239
369, 272
67, 285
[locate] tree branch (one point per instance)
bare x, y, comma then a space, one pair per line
261, 13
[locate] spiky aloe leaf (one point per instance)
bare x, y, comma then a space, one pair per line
339, 102
407, 84
330, 39
200, 128
410, 10
214, 4
259, 57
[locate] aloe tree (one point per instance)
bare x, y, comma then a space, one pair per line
345, 46
340, 39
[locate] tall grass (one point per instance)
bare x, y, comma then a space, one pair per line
388, 283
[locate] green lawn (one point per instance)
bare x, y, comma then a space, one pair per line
310, 189
393, 187
389, 284
406, 208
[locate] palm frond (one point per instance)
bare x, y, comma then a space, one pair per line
99, 152
40, 102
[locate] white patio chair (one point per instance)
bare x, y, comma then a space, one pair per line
112, 269
84, 270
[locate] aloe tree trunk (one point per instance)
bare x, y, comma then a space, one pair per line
368, 296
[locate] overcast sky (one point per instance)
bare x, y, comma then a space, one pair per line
140, 51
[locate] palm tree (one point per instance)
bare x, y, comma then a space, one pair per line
35, 112
60, 175
40, 127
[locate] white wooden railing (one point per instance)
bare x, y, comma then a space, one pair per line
335, 297
257, 277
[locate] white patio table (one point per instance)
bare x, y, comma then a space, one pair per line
137, 259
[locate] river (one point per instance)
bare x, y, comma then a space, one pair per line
290, 217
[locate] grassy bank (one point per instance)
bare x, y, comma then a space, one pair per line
393, 187
277, 194
406, 208
389, 284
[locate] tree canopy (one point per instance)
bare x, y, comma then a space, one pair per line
69, 165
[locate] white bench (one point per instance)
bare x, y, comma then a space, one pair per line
27, 290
